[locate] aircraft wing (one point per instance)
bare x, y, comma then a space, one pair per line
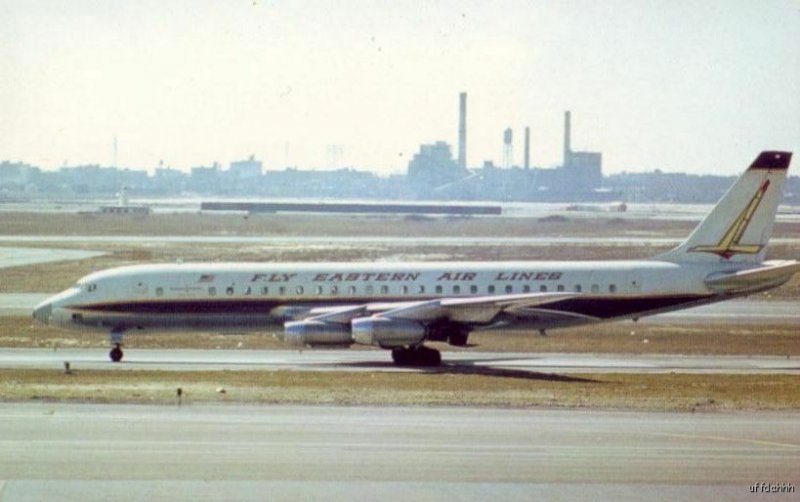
771, 274
468, 310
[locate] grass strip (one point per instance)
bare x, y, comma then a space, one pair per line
449, 386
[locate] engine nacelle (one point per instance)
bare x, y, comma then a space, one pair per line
387, 332
301, 333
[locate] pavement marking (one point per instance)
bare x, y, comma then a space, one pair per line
726, 439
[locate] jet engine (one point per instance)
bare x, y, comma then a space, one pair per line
312, 332
387, 332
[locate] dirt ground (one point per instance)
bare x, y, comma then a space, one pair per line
442, 387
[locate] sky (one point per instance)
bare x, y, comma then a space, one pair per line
693, 86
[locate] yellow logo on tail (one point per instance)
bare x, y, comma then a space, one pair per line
729, 244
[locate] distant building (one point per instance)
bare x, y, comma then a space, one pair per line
17, 175
246, 169
434, 166
584, 171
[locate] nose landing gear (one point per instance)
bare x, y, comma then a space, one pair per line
116, 353
116, 343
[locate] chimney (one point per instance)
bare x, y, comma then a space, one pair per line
462, 131
567, 148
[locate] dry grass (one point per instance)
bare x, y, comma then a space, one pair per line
454, 386
343, 225
320, 224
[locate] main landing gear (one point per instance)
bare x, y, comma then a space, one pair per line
416, 356
116, 346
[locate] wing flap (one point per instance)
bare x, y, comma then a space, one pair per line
772, 274
480, 309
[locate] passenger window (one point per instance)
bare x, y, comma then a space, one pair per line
265, 290
491, 288
370, 289
282, 290
384, 290
159, 291
438, 289
612, 288
526, 289
560, 287
334, 290
212, 291
319, 290
473, 289
578, 288
248, 291
543, 288
509, 288
595, 288
421, 289
405, 289
351, 290
456, 289
229, 290
299, 290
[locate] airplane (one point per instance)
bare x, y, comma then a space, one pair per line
400, 306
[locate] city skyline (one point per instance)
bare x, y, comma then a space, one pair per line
678, 86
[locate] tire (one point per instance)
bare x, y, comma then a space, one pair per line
115, 354
458, 338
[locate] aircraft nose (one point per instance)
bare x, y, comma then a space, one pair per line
43, 311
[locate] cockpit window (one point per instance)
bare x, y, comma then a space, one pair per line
85, 286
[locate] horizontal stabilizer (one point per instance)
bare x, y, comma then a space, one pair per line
773, 273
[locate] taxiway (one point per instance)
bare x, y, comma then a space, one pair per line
240, 452
379, 360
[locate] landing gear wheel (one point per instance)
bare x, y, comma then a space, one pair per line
458, 338
116, 354
401, 357
429, 357
417, 356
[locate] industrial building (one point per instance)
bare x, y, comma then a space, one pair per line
434, 173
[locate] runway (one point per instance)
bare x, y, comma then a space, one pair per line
380, 361
240, 452
15, 257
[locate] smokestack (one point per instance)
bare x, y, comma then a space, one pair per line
462, 131
508, 147
567, 147
527, 147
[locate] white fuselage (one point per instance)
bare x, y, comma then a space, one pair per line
251, 296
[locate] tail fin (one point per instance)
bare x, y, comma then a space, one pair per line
740, 225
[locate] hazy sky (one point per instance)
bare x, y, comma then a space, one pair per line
699, 86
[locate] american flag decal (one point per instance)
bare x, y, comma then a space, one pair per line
206, 278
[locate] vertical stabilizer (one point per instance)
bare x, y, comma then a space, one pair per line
740, 225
